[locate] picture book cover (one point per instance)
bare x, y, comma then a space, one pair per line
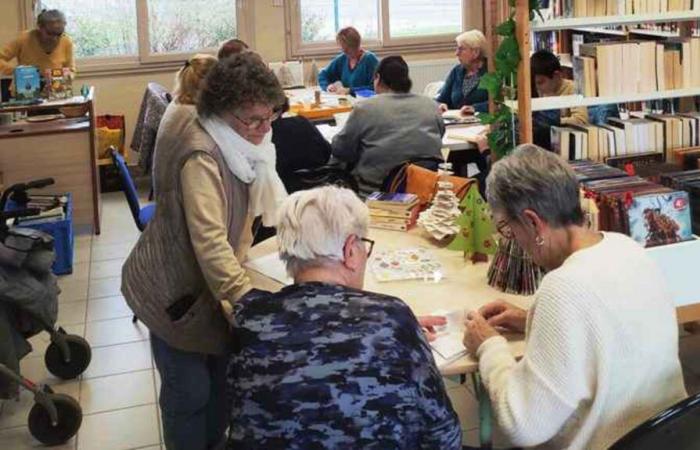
406, 264
27, 83
661, 218
391, 198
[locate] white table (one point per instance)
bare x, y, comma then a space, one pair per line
463, 287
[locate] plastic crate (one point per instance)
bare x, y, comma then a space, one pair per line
62, 232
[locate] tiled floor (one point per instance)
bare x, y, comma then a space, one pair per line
118, 392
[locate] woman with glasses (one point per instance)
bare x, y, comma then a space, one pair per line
323, 363
602, 337
461, 89
46, 47
184, 273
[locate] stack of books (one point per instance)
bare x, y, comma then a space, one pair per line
51, 207
393, 211
588, 8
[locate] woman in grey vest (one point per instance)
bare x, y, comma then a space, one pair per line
217, 174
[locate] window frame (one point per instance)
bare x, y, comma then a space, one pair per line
296, 48
145, 61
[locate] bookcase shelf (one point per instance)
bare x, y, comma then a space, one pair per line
599, 30
571, 101
599, 21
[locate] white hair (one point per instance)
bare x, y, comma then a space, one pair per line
314, 224
472, 39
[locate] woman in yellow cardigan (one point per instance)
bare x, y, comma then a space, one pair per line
46, 47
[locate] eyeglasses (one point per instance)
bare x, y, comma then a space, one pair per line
504, 229
371, 245
256, 122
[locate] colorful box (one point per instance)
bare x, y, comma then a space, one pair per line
27, 83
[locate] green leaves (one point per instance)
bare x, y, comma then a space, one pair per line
506, 60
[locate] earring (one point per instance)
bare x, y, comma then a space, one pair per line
539, 241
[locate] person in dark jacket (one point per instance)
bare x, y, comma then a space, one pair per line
461, 89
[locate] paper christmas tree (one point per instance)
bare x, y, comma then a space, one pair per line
475, 237
513, 271
439, 221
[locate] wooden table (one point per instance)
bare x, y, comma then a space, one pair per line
63, 149
463, 287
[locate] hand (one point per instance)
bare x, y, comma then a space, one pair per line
442, 108
428, 323
467, 110
342, 91
332, 88
505, 315
477, 331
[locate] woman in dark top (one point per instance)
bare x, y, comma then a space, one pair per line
461, 89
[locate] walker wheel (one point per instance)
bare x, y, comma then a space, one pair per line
70, 416
80, 355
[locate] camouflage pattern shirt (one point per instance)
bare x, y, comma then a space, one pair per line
321, 366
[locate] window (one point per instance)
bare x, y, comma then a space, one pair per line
129, 34
313, 24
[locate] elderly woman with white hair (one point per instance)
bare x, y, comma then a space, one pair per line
324, 364
602, 338
461, 89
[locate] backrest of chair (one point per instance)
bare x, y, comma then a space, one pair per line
321, 176
395, 181
132, 196
675, 428
433, 88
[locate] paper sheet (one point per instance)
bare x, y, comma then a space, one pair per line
328, 131
271, 266
465, 133
448, 346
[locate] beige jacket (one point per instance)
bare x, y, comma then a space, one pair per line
187, 260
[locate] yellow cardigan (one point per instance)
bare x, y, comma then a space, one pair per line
27, 50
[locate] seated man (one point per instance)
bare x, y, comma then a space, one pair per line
323, 364
549, 82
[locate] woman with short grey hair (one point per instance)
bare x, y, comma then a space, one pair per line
461, 89
323, 363
185, 272
592, 370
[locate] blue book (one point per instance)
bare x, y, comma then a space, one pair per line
27, 83
659, 219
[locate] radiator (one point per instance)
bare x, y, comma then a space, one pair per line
424, 72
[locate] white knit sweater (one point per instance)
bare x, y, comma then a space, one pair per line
601, 355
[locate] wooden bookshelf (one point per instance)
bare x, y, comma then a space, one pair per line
600, 21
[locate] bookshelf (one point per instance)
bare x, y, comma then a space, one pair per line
600, 21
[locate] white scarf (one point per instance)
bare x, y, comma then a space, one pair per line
252, 164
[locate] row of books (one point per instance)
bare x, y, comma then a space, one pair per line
649, 213
658, 65
393, 211
650, 133
51, 208
688, 181
588, 8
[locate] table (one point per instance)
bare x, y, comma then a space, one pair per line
301, 99
464, 285
63, 149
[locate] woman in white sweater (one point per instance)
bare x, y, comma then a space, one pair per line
602, 339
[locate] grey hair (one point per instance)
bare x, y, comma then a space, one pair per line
50, 15
472, 39
314, 224
533, 178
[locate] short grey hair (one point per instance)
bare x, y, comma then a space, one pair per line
472, 39
533, 178
314, 224
50, 15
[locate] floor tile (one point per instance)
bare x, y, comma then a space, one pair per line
81, 272
105, 252
81, 254
115, 331
134, 389
108, 308
21, 439
120, 430
107, 287
72, 290
15, 412
34, 368
118, 359
71, 313
106, 269
42, 340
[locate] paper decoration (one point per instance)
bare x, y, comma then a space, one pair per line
406, 264
513, 271
439, 221
475, 237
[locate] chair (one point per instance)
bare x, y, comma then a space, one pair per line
433, 88
395, 181
675, 428
141, 215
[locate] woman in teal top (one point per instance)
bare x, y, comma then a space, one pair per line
354, 68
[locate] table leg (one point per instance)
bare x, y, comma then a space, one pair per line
482, 397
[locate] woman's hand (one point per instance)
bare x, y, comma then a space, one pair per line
428, 324
504, 315
442, 107
467, 110
477, 331
332, 88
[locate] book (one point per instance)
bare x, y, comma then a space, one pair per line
396, 200
27, 82
659, 219
395, 213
